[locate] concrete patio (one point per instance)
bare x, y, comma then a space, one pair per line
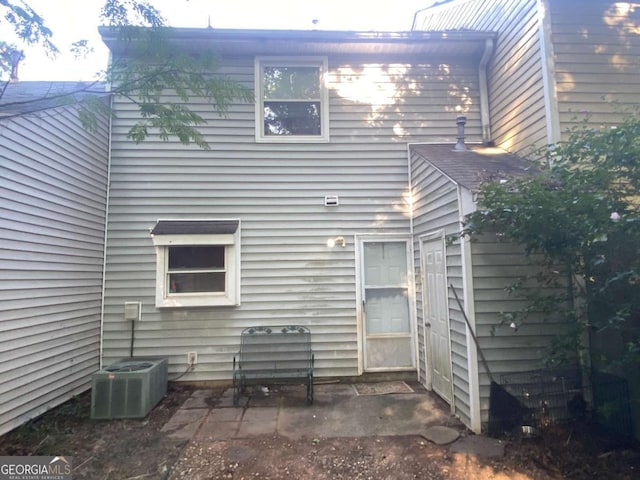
338, 410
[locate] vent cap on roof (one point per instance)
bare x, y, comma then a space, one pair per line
461, 121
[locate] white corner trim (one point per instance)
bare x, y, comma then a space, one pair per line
472, 353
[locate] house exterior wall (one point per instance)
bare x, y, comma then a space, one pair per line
590, 56
597, 60
515, 76
496, 266
53, 181
436, 208
288, 274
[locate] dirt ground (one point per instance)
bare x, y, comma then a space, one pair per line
137, 449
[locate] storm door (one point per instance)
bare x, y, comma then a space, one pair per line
388, 342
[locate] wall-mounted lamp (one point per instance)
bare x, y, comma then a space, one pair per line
338, 241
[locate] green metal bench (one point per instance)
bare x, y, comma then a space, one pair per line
273, 355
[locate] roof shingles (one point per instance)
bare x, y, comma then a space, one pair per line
470, 168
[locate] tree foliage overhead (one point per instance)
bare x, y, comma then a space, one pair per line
29, 26
581, 212
148, 66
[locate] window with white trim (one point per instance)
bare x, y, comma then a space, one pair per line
197, 263
293, 100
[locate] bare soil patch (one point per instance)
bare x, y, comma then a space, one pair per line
137, 449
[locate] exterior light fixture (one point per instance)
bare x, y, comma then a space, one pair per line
338, 241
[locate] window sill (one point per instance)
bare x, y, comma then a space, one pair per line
291, 139
199, 301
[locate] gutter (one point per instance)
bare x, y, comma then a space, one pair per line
485, 114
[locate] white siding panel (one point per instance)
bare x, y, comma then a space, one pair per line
288, 275
53, 181
516, 96
597, 61
435, 208
495, 266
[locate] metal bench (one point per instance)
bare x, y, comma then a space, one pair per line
273, 355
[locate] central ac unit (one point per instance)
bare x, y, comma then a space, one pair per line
129, 388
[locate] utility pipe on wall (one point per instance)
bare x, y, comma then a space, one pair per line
484, 91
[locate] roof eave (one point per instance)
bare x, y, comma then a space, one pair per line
284, 42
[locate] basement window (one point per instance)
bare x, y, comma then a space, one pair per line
197, 263
293, 101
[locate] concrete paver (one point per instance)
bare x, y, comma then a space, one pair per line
198, 399
214, 429
185, 422
226, 414
478, 445
441, 435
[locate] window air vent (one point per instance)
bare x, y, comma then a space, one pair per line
331, 201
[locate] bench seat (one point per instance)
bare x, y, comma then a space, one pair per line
273, 355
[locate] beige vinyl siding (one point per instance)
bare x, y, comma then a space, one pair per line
597, 60
436, 208
497, 265
288, 275
53, 180
516, 94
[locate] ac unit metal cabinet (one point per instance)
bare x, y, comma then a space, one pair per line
129, 388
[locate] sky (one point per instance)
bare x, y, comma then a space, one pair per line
72, 20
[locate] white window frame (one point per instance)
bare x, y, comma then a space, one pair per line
231, 295
322, 64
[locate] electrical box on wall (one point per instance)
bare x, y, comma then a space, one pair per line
132, 310
331, 201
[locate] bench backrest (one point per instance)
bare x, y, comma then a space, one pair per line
275, 348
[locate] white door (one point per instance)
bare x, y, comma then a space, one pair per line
436, 315
388, 341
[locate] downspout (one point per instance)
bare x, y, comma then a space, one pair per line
413, 262
547, 59
106, 222
484, 91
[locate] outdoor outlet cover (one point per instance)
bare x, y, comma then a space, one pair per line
192, 358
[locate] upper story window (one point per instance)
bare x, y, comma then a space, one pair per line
293, 100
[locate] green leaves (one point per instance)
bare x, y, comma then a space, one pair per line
163, 80
29, 27
166, 83
27, 24
121, 13
581, 210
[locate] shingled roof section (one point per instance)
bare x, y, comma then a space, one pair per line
195, 227
470, 168
28, 97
